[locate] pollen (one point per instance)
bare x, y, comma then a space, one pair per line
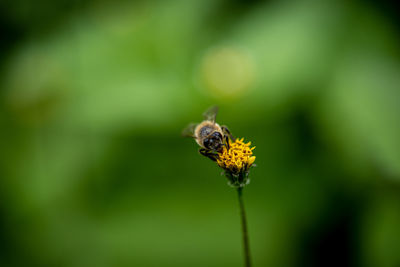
238, 157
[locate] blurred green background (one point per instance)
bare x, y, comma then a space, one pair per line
94, 95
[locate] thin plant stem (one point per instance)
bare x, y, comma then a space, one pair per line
246, 247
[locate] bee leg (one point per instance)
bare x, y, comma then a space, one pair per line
207, 153
227, 142
226, 132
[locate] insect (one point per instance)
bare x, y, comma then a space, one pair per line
209, 135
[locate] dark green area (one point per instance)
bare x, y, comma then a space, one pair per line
94, 95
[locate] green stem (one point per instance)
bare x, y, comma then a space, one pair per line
246, 247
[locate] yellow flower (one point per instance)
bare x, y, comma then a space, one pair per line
238, 158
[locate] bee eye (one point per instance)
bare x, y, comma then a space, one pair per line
217, 135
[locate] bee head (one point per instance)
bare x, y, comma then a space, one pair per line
214, 141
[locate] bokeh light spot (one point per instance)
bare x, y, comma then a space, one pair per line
227, 72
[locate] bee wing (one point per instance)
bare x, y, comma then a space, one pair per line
211, 113
189, 130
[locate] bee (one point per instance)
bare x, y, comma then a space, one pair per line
209, 135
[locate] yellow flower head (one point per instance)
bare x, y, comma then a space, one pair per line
237, 158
